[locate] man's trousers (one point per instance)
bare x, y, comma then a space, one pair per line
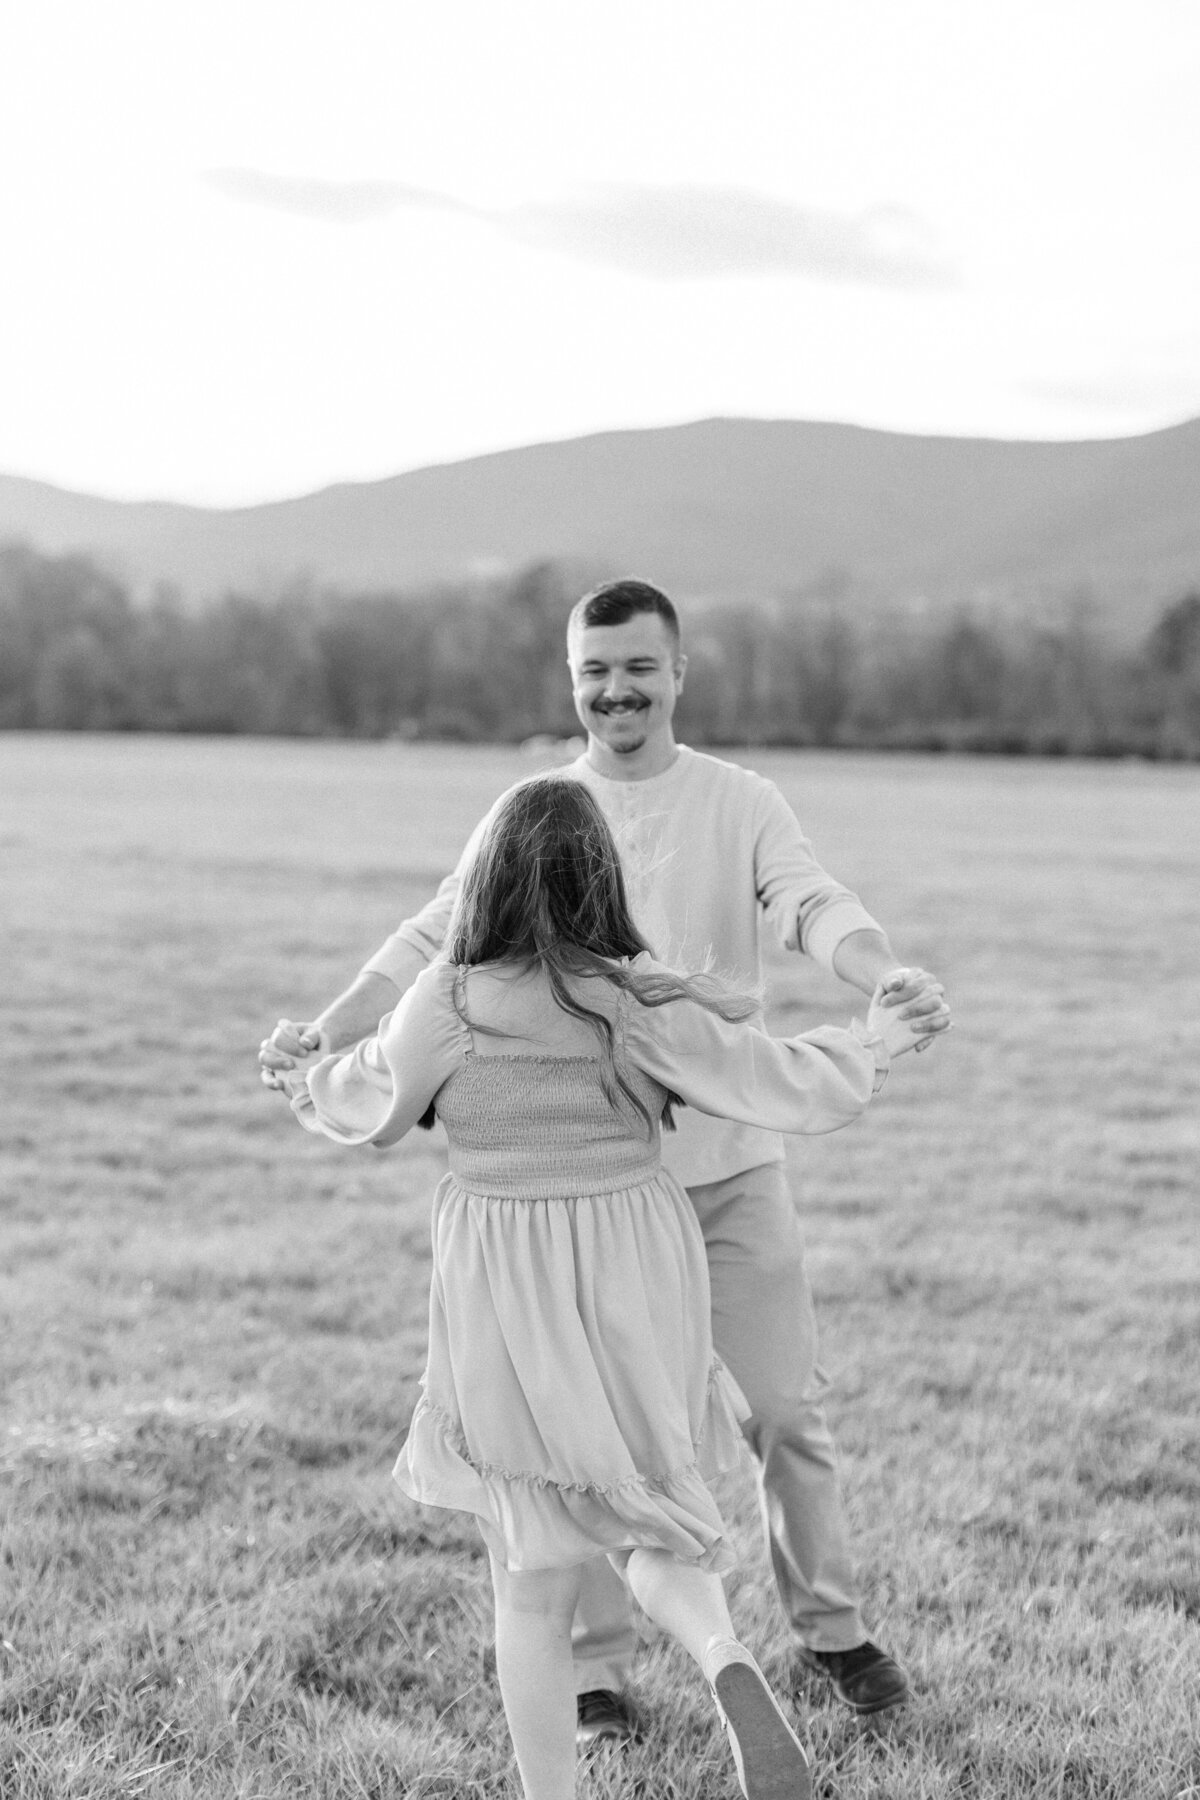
764, 1330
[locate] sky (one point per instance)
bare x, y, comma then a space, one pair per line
253, 249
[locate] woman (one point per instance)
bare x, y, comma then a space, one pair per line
572, 1400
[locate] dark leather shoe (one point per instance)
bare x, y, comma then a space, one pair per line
602, 1717
866, 1678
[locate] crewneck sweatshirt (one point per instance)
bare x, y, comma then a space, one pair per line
707, 849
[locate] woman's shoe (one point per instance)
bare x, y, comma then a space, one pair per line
770, 1758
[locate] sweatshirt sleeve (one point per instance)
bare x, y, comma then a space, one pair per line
427, 930
376, 1092
812, 1083
807, 909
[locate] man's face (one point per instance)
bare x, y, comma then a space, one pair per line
626, 680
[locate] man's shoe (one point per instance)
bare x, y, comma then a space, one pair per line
602, 1717
866, 1678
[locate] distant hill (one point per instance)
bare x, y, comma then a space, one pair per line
720, 508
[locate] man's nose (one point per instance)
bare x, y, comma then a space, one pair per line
617, 685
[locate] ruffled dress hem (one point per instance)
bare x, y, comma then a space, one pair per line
531, 1520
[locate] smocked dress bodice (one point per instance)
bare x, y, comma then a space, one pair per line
542, 1127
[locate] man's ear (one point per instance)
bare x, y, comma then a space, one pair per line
680, 667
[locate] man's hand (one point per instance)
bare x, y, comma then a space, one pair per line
921, 997
287, 1045
353, 1015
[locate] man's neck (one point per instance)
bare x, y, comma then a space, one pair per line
639, 765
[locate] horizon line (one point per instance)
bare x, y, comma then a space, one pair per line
578, 437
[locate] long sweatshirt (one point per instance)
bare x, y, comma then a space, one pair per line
707, 849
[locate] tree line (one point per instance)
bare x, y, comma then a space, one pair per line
486, 662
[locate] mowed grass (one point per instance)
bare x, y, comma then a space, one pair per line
212, 1325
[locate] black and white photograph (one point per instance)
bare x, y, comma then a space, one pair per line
600, 889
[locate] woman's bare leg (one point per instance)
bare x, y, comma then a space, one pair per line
687, 1601
534, 1609
690, 1603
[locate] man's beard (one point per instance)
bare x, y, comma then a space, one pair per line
624, 746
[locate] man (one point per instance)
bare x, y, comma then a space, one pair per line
706, 847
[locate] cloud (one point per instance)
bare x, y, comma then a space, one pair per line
327, 202
693, 233
667, 233
1120, 390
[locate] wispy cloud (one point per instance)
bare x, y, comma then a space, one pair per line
694, 232
667, 233
327, 202
1121, 390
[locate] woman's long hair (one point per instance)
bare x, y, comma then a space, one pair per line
545, 888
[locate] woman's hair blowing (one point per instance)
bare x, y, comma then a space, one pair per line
545, 887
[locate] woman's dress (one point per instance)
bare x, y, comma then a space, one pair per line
571, 1400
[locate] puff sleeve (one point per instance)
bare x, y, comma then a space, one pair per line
809, 1084
377, 1091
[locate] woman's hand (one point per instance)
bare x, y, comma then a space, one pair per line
287, 1045
295, 1086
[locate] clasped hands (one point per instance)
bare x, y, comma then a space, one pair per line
281, 1058
908, 1010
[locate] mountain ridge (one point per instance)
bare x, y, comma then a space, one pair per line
717, 508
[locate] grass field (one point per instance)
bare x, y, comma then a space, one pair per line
212, 1324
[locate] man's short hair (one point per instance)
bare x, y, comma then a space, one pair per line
615, 602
